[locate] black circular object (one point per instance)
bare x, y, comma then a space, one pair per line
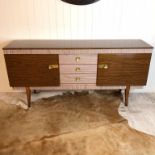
80, 2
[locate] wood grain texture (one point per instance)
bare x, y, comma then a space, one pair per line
77, 51
123, 69
83, 59
28, 94
127, 91
53, 19
76, 69
75, 86
78, 44
32, 70
81, 78
113, 69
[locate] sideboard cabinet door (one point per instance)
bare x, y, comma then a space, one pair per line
33, 69
123, 69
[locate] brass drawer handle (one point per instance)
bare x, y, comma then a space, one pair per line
77, 79
103, 66
77, 69
77, 59
55, 66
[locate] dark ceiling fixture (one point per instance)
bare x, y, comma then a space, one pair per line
80, 2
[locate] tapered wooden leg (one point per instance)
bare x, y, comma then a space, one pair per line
28, 93
127, 90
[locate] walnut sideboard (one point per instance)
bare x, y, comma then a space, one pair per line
77, 64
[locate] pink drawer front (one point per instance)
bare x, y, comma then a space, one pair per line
78, 59
78, 78
67, 69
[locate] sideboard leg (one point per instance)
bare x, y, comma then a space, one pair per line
28, 93
127, 90
35, 91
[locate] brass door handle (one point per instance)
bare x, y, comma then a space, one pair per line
55, 66
77, 59
77, 79
77, 69
103, 66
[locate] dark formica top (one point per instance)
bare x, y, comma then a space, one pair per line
77, 44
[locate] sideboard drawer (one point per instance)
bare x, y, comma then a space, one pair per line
123, 69
67, 69
78, 59
33, 69
78, 78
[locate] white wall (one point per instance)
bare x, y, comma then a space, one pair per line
54, 19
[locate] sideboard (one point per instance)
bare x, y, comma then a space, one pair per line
77, 64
